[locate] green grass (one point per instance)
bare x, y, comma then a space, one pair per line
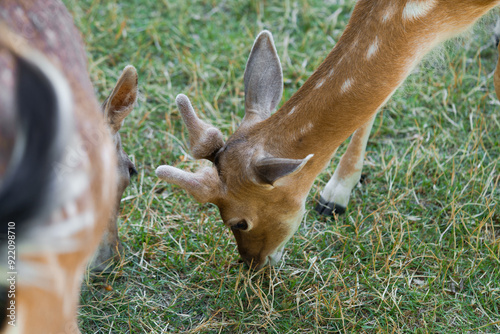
418, 250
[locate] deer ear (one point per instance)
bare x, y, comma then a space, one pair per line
263, 79
122, 99
270, 170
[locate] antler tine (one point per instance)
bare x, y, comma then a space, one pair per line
205, 140
202, 185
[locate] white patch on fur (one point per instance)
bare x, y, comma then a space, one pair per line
293, 110
71, 209
320, 83
51, 37
389, 13
417, 8
51, 276
50, 240
354, 44
372, 49
305, 129
106, 157
346, 85
59, 236
331, 73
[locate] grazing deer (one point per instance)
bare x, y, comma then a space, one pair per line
261, 176
116, 107
59, 179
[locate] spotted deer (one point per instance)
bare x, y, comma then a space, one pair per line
60, 175
261, 175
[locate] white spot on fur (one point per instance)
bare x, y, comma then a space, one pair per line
19, 12
320, 83
71, 209
388, 14
331, 73
346, 85
51, 37
341, 60
60, 236
106, 157
293, 110
305, 129
354, 44
417, 8
372, 49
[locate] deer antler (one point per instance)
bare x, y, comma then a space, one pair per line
205, 140
202, 185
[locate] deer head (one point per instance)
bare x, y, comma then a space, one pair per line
262, 174
117, 106
260, 194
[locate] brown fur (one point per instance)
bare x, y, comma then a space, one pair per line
355, 149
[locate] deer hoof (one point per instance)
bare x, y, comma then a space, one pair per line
326, 208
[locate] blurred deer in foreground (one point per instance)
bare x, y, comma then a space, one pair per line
60, 183
261, 176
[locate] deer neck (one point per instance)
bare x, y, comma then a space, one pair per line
383, 42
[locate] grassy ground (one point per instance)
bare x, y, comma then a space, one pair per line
418, 250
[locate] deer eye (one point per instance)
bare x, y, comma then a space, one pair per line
241, 225
132, 171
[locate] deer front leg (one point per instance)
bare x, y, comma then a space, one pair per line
335, 196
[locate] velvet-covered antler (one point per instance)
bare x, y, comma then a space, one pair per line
205, 140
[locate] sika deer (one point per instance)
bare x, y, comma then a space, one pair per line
261, 176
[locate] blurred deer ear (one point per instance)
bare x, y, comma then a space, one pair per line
43, 112
270, 170
122, 99
263, 80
